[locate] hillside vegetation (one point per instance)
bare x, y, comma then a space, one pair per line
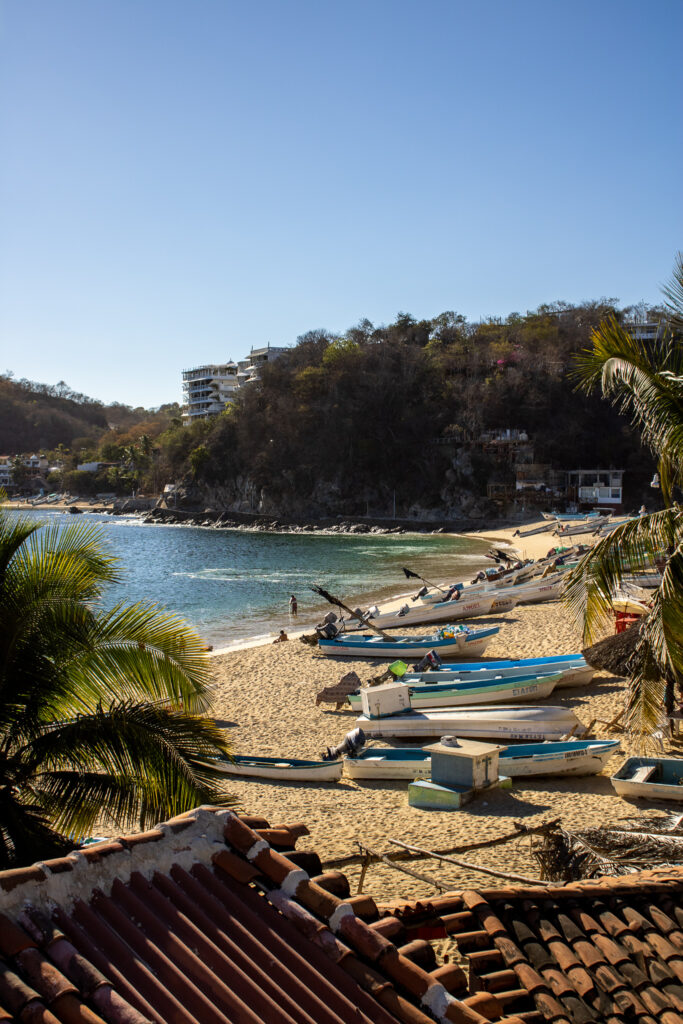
342, 425
351, 424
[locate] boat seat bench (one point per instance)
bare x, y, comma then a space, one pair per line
644, 773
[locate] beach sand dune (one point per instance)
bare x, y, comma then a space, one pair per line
265, 700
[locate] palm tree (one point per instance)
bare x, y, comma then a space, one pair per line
101, 712
645, 380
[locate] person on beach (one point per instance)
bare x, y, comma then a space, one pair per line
281, 638
293, 606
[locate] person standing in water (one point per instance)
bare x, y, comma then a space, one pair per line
293, 606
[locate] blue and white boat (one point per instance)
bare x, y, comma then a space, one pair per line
570, 758
653, 778
491, 691
286, 769
570, 669
449, 642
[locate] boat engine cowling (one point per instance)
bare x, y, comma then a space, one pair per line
351, 744
421, 593
327, 630
429, 663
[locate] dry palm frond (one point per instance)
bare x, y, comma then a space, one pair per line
569, 855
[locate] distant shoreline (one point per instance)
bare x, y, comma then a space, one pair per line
260, 523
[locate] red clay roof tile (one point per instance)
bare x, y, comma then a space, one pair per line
19, 876
12, 938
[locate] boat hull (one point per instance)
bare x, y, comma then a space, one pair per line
572, 675
462, 645
663, 782
576, 758
441, 611
508, 722
281, 768
496, 691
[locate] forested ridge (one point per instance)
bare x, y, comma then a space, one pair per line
351, 424
342, 424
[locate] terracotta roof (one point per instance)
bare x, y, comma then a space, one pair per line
212, 918
605, 950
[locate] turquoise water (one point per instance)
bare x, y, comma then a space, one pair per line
231, 584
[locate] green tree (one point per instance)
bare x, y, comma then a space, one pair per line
645, 380
101, 712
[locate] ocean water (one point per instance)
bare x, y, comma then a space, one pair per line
231, 585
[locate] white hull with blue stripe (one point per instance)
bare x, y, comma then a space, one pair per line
493, 691
464, 643
571, 758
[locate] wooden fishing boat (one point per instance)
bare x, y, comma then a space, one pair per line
536, 529
439, 611
654, 778
504, 723
492, 691
574, 673
589, 526
548, 589
458, 642
286, 769
571, 758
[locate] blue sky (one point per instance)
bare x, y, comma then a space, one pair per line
182, 180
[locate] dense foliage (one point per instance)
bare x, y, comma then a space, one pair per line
645, 380
101, 713
40, 417
349, 424
340, 423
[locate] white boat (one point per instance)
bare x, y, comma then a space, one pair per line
548, 589
506, 722
571, 758
536, 529
654, 778
440, 611
283, 768
576, 673
492, 691
458, 642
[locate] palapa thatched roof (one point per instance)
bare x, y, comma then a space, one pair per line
615, 654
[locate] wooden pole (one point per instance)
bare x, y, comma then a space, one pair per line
373, 856
471, 867
400, 855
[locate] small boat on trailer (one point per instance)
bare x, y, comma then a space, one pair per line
458, 642
504, 723
571, 758
283, 769
494, 691
653, 778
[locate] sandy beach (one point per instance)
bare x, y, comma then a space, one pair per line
265, 700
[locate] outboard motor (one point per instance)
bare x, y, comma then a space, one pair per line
403, 610
429, 663
327, 630
421, 593
330, 617
351, 744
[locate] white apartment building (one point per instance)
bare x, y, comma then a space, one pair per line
208, 390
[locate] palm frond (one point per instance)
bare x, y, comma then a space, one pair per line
590, 585
166, 753
674, 294
645, 382
141, 651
